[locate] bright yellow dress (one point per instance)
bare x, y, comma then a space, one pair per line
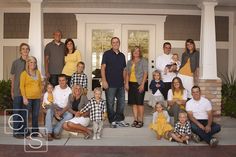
50, 97
161, 126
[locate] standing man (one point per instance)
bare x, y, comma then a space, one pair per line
54, 54
199, 111
164, 65
113, 77
19, 109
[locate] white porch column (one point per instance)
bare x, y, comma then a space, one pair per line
208, 66
36, 32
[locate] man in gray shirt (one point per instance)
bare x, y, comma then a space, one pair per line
19, 109
54, 58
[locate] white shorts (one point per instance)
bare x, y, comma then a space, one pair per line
84, 121
187, 83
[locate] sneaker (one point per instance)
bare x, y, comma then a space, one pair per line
57, 136
113, 125
185, 142
18, 136
98, 137
94, 137
122, 124
73, 133
195, 138
213, 142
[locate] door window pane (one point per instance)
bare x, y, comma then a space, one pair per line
101, 41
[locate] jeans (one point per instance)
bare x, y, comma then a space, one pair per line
19, 118
215, 128
174, 111
119, 94
53, 79
49, 118
34, 106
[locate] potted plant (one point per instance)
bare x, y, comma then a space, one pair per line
5, 95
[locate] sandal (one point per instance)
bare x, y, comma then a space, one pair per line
134, 123
139, 125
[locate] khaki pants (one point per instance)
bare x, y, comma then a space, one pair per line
97, 127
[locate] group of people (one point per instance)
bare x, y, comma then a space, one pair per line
66, 99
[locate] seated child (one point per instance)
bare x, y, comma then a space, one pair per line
48, 100
80, 78
182, 131
97, 108
157, 87
160, 122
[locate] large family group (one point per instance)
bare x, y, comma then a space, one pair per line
174, 92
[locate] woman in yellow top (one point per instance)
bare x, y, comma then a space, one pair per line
31, 90
177, 97
137, 71
72, 58
189, 69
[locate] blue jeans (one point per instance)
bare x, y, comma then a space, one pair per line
49, 118
215, 128
34, 107
19, 118
119, 94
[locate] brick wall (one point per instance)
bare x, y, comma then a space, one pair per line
211, 89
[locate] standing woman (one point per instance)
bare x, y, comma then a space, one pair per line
137, 72
31, 90
72, 58
189, 69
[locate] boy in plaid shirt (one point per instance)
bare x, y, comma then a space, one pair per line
97, 108
182, 131
79, 77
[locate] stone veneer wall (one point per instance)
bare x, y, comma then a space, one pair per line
211, 89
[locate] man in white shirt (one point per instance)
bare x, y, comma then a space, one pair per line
59, 109
199, 110
163, 64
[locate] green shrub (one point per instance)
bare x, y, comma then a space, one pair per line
5, 95
229, 95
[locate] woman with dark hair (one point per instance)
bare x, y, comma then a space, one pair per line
137, 71
177, 97
72, 58
189, 69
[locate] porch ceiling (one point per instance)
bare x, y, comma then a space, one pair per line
143, 4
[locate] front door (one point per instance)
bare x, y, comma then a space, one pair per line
98, 40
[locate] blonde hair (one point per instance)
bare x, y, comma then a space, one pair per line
183, 113
156, 72
76, 86
98, 89
29, 59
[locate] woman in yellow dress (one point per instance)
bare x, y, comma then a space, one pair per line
160, 122
72, 58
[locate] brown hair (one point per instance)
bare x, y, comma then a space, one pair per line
67, 50
192, 42
115, 38
24, 44
135, 48
180, 83
166, 43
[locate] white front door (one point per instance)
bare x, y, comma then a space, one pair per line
98, 37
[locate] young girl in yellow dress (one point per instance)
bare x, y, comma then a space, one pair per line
160, 123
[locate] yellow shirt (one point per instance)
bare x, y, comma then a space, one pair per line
179, 96
31, 88
50, 97
71, 61
186, 69
132, 74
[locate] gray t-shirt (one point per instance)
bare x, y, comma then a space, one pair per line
56, 55
18, 66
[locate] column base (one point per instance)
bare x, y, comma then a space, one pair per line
211, 89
